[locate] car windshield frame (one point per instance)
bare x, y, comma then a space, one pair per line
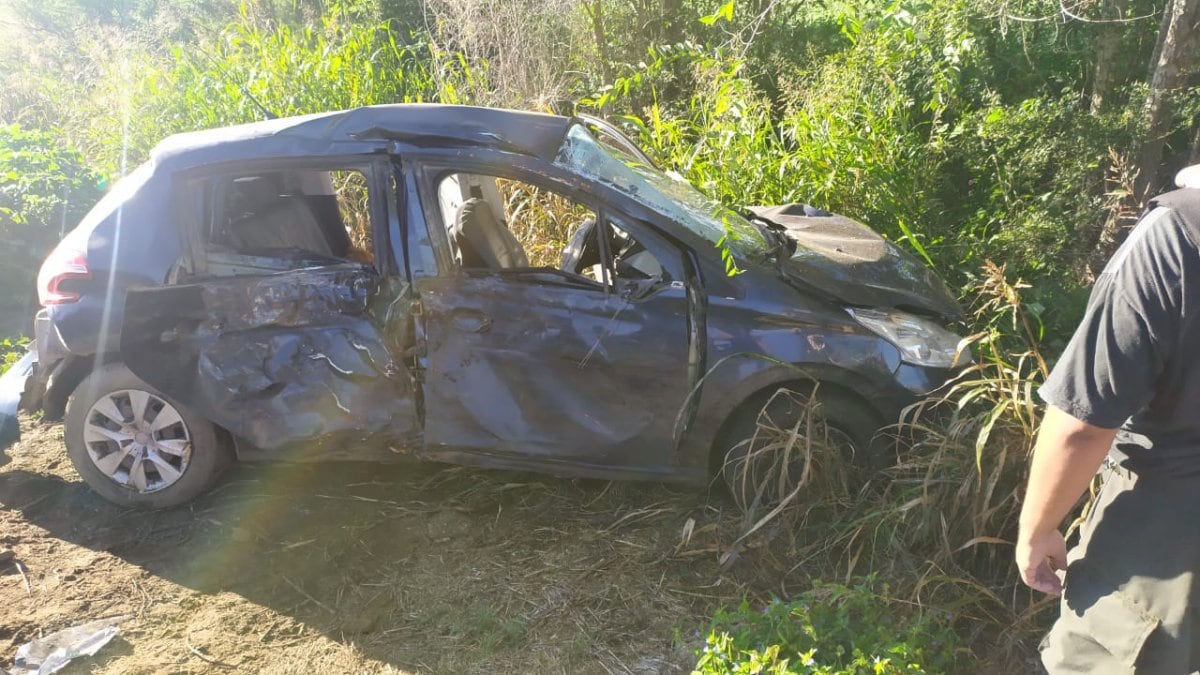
666, 192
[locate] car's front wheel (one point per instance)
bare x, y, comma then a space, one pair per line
783, 441
135, 446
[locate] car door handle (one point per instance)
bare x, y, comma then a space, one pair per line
471, 320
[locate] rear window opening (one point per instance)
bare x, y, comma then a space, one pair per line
279, 220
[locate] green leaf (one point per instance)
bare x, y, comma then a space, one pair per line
723, 13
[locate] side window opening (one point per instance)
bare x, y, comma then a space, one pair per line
503, 224
286, 219
499, 223
353, 199
617, 258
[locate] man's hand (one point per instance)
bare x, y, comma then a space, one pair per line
1065, 457
1039, 558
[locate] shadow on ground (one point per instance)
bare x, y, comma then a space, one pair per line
343, 567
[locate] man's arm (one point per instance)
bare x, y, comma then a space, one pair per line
1066, 455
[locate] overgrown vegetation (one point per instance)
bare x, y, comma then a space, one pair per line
45, 188
11, 350
1003, 141
832, 630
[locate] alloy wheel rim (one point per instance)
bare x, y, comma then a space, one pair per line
138, 440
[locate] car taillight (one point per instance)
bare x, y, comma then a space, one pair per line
65, 262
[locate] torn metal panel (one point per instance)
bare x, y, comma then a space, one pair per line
849, 261
51, 653
553, 370
281, 360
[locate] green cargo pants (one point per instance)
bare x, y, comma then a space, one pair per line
1130, 601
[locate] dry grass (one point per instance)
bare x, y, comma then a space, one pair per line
938, 528
542, 221
524, 46
790, 467
349, 568
351, 190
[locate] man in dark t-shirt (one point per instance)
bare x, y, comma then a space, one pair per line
1126, 394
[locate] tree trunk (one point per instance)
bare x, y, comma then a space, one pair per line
1108, 44
1164, 23
672, 14
1172, 59
595, 11
1174, 56
645, 20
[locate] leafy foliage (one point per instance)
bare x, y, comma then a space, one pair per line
11, 351
43, 184
831, 630
45, 188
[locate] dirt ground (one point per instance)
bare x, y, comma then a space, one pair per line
344, 568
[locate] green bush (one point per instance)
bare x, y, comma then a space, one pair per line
43, 183
252, 66
831, 630
11, 351
45, 188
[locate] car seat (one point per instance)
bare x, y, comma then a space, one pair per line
483, 242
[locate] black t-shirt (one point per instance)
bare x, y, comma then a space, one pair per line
1134, 361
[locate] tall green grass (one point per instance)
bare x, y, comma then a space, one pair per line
253, 68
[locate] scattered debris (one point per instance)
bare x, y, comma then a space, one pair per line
8, 558
24, 577
53, 652
205, 657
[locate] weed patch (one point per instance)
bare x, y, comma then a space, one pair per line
833, 629
11, 350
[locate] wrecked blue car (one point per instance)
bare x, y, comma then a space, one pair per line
378, 283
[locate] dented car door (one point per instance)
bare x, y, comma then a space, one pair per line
298, 361
534, 365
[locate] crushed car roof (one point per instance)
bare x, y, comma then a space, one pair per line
523, 132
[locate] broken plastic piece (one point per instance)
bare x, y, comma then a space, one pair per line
53, 652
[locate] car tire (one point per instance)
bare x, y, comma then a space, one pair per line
163, 456
749, 459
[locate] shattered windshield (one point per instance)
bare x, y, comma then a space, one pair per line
670, 195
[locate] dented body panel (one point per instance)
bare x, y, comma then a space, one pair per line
290, 363
530, 369
844, 259
774, 337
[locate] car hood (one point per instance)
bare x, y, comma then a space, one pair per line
843, 258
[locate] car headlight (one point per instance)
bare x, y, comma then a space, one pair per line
921, 341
